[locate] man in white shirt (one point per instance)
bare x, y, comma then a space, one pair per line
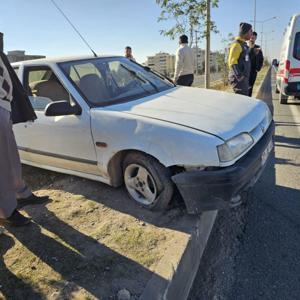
184, 65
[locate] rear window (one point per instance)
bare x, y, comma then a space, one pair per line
296, 53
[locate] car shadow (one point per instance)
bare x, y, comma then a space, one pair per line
289, 142
287, 124
116, 199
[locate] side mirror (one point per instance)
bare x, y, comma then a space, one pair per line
62, 108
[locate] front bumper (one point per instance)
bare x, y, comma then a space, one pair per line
210, 190
292, 89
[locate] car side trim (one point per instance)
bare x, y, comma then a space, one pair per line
80, 160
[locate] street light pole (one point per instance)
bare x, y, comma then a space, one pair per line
266, 35
196, 36
207, 52
262, 26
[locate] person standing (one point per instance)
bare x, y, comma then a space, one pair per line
184, 64
128, 53
15, 107
239, 61
256, 59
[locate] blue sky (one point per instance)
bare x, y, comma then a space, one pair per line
110, 25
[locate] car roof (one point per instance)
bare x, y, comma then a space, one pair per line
60, 59
296, 15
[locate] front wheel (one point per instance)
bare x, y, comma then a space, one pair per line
147, 181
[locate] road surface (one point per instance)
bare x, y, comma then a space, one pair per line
254, 252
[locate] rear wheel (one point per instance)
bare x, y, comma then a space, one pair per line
283, 98
147, 181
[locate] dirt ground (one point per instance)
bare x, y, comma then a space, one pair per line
88, 242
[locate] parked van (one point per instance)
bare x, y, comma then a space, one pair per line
288, 74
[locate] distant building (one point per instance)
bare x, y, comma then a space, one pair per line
19, 55
199, 60
163, 63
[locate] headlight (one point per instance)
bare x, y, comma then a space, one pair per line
268, 117
234, 147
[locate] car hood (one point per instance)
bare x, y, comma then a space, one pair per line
222, 114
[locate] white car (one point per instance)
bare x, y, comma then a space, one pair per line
112, 120
288, 75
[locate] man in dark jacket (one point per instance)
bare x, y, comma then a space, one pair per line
239, 61
257, 61
15, 107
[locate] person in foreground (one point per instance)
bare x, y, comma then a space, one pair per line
239, 61
15, 107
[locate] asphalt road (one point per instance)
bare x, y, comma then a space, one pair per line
254, 251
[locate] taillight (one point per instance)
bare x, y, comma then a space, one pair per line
287, 67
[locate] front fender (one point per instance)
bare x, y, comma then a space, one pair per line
171, 144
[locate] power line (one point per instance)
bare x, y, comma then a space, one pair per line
73, 26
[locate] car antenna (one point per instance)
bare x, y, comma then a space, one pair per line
73, 26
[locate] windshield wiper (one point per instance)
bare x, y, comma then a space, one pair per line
148, 69
140, 77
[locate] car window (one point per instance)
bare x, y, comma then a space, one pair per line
104, 81
119, 74
297, 46
43, 87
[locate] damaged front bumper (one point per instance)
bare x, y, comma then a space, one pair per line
219, 189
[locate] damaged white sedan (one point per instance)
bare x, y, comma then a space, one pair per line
112, 120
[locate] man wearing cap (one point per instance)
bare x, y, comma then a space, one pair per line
239, 61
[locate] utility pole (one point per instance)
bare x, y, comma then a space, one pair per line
196, 51
207, 52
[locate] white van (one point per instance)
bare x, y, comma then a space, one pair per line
288, 74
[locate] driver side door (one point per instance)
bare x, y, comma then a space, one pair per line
63, 142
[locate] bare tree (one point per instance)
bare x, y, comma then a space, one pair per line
188, 16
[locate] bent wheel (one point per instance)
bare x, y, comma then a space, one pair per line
147, 181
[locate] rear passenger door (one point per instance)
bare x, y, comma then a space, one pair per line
63, 142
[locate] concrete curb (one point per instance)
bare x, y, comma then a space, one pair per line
262, 83
175, 273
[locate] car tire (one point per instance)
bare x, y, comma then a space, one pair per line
283, 98
144, 175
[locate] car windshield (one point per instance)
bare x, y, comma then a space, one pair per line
107, 81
